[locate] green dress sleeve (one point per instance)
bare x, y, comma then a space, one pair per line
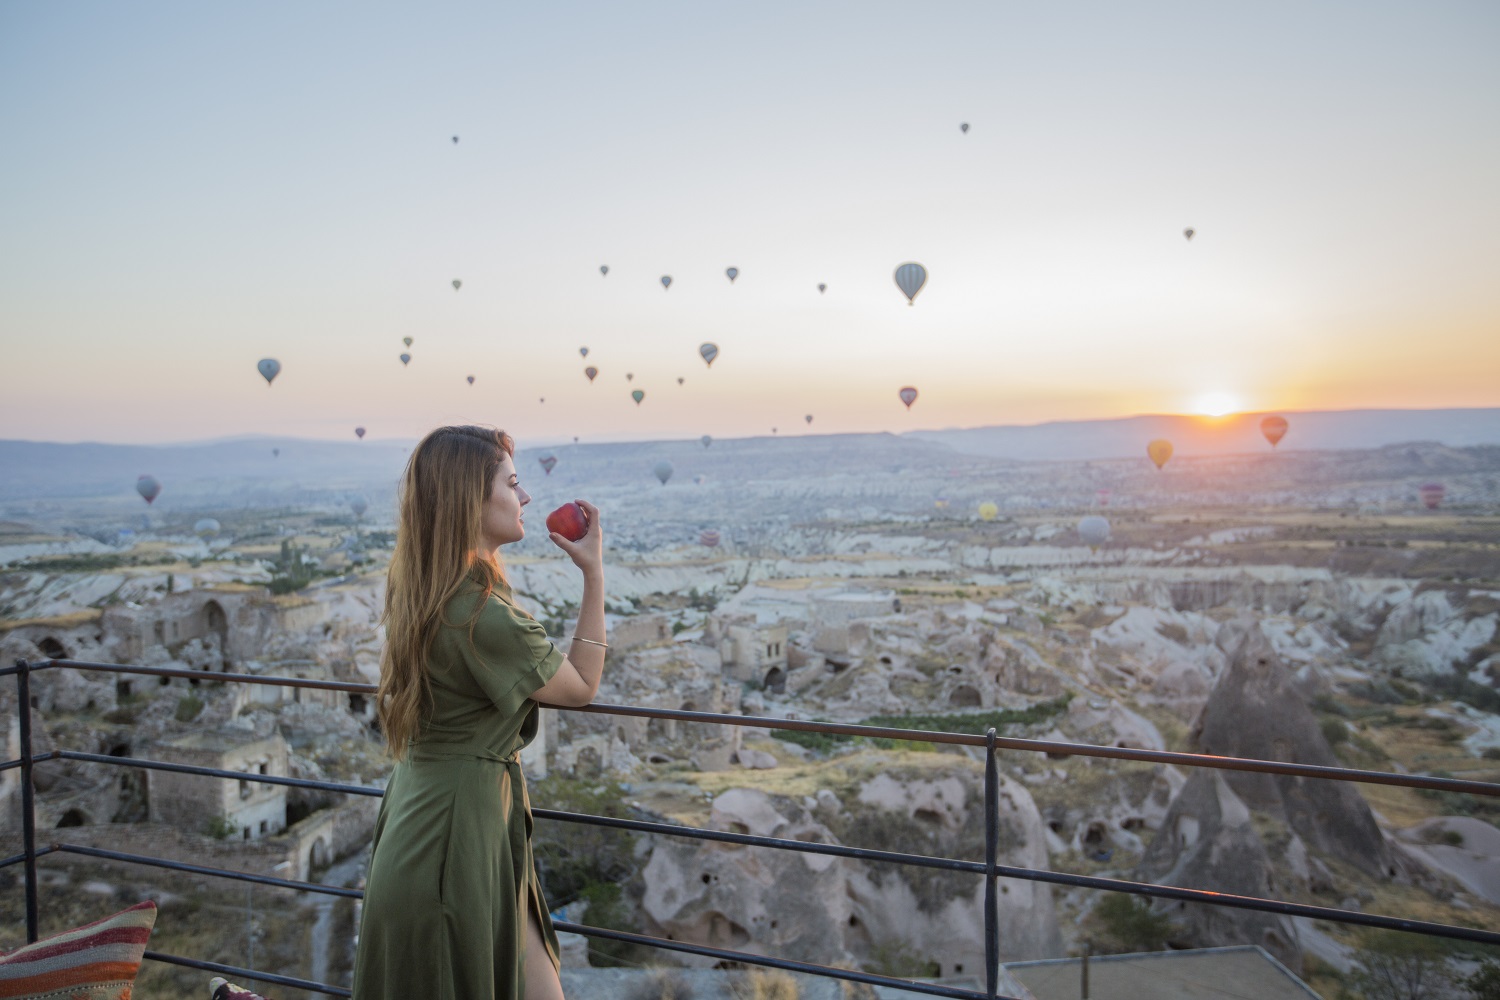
511, 656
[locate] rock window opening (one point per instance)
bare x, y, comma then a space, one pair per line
164, 681
929, 816
265, 769
1094, 834
886, 660
262, 828
122, 689
244, 789
357, 704
71, 818
776, 680
52, 649
160, 630
245, 833
120, 750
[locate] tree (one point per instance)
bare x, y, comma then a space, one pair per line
1484, 984
1391, 965
1131, 924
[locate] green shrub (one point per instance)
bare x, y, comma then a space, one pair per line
1334, 730
220, 828
188, 707
1131, 924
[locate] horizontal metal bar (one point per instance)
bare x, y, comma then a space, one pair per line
827, 972
1068, 749
214, 772
248, 974
14, 669
225, 873
7, 765
18, 858
882, 732
750, 840
208, 675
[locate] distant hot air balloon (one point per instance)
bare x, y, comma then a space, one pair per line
406, 341
1101, 497
406, 359
822, 288
471, 379
359, 432
1274, 428
455, 140
808, 418
940, 502
583, 352
910, 277
708, 352
604, 269
663, 470
359, 505
148, 487
964, 127
988, 511
637, 395
699, 479
541, 399
680, 380
275, 452
1188, 232
732, 272
706, 440
547, 463
591, 372
666, 281
457, 284
269, 368
1094, 530
1432, 495
206, 528
908, 396
1160, 450
630, 376
708, 538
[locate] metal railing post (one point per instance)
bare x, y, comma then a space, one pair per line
991, 849
28, 800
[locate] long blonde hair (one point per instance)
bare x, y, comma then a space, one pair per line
447, 481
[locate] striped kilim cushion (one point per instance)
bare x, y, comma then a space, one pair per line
97, 961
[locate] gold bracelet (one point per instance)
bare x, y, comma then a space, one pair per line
591, 642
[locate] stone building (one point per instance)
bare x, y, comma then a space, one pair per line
248, 810
751, 650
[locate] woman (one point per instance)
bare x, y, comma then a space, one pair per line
453, 909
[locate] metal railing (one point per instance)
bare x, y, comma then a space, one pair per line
989, 869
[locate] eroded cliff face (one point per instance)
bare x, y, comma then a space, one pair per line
806, 906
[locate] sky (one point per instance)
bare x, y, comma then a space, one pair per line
187, 188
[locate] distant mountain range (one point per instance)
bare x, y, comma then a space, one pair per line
1335, 430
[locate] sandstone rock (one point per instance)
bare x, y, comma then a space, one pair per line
1255, 711
758, 760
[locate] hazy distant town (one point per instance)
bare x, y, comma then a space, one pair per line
1321, 605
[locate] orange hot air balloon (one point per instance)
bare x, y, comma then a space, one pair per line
1274, 428
1160, 451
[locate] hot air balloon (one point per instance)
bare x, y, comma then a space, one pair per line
359, 505
910, 277
637, 395
406, 359
455, 140
1160, 450
359, 432
699, 479
964, 127
591, 372
206, 528
275, 452
680, 380
604, 269
457, 284
940, 503
541, 399
471, 379
708, 352
808, 418
708, 538
706, 440
406, 341
1101, 497
1431, 494
1094, 530
547, 463
732, 272
666, 281
908, 396
269, 368
988, 511
630, 376
1188, 232
583, 352
1274, 428
663, 470
148, 487
822, 288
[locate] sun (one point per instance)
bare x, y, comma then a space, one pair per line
1216, 404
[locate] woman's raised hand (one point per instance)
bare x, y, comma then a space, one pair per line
588, 552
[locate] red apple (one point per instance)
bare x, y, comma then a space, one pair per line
570, 521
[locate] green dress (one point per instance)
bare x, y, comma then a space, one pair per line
451, 865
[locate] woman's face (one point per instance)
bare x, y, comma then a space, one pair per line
503, 510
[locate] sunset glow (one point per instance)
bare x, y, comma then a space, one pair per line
1216, 404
